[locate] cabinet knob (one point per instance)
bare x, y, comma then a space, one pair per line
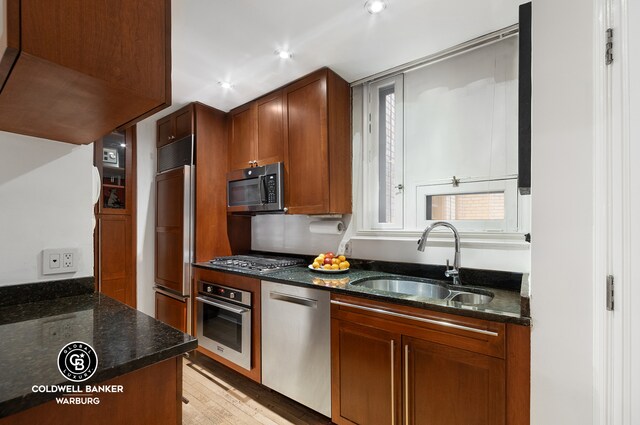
172, 137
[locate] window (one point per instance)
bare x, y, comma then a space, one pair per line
385, 154
440, 143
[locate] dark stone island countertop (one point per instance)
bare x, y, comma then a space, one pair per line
33, 333
507, 305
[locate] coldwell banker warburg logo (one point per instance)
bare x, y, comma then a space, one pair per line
77, 361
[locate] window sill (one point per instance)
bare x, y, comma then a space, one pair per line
477, 240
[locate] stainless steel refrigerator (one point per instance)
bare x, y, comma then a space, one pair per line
174, 246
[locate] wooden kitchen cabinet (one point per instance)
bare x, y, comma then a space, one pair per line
115, 213
367, 377
256, 133
242, 137
270, 129
318, 145
175, 126
74, 70
215, 233
172, 311
423, 367
470, 386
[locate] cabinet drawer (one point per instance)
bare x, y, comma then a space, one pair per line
477, 335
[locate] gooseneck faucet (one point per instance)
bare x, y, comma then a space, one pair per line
454, 272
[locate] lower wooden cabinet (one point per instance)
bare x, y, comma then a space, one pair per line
114, 268
415, 366
447, 385
366, 372
171, 311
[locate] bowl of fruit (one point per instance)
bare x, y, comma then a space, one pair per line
328, 262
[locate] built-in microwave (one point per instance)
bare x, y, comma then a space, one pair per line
256, 189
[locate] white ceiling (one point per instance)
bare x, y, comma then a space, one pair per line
235, 40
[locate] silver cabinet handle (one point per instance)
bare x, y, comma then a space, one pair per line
100, 254
406, 384
307, 302
393, 387
418, 319
223, 306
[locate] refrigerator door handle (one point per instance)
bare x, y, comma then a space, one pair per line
176, 297
187, 223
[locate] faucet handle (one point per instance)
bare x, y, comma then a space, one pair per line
451, 271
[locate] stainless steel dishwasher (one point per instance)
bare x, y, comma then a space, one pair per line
296, 344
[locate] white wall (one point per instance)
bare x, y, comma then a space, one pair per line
45, 202
290, 234
562, 219
146, 203
282, 233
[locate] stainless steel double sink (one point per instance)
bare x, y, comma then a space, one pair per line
424, 289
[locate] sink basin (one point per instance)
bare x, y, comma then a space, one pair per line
471, 298
407, 287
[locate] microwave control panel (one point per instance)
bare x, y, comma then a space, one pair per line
272, 188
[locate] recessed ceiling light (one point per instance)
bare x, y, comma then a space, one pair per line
375, 6
284, 54
225, 84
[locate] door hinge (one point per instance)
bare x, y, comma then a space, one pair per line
609, 47
610, 292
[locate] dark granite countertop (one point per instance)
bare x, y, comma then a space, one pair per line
506, 305
32, 334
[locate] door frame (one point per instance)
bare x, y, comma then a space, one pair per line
616, 379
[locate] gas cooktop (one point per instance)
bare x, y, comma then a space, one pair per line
254, 263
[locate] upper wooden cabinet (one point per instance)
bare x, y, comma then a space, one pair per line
256, 133
175, 126
73, 70
242, 137
317, 145
270, 129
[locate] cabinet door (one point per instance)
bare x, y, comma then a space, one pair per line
170, 194
270, 129
171, 311
307, 155
242, 138
183, 123
450, 386
114, 257
365, 375
164, 131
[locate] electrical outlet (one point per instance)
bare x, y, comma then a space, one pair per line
347, 249
63, 260
67, 260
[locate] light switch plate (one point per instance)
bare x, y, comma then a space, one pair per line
60, 260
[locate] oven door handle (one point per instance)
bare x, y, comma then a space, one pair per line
224, 306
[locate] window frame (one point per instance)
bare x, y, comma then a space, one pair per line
371, 152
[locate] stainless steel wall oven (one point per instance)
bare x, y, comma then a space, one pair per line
224, 322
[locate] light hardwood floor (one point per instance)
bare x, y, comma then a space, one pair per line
218, 395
